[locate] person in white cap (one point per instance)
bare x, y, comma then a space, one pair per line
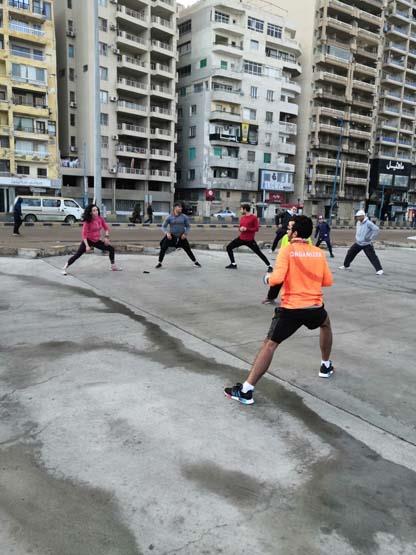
365, 234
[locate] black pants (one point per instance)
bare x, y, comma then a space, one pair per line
97, 245
250, 244
149, 220
17, 223
176, 243
281, 232
368, 251
326, 240
274, 291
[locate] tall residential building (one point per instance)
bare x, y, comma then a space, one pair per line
237, 110
137, 58
28, 101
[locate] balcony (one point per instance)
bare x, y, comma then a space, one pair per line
158, 111
356, 180
369, 35
135, 173
322, 161
233, 49
132, 16
132, 130
226, 94
132, 108
160, 175
160, 90
160, 154
340, 6
162, 23
160, 6
359, 133
362, 85
162, 47
230, 162
164, 134
392, 78
289, 128
326, 128
28, 55
133, 64
163, 70
289, 108
132, 41
17, 27
397, 46
395, 62
132, 86
23, 7
361, 68
286, 148
358, 165
28, 106
325, 177
331, 77
225, 115
32, 155
410, 84
360, 117
130, 150
396, 30
337, 24
42, 133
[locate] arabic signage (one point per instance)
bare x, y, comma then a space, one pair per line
30, 182
273, 180
389, 174
393, 167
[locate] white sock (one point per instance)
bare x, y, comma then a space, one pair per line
327, 363
247, 387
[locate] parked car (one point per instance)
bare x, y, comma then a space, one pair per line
224, 214
48, 209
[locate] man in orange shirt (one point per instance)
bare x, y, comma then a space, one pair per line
303, 270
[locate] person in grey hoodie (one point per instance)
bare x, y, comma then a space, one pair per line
175, 228
365, 234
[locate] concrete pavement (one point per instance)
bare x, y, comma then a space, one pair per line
115, 436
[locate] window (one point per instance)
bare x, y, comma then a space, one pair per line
180, 112
221, 17
4, 142
191, 175
192, 110
71, 96
268, 139
269, 96
103, 48
254, 44
253, 68
69, 4
22, 72
267, 157
73, 141
102, 3
51, 203
104, 141
23, 170
184, 48
104, 97
61, 72
269, 117
185, 27
103, 73
218, 151
250, 176
255, 24
198, 87
71, 51
192, 131
42, 172
104, 163
103, 119
184, 71
71, 74
182, 91
192, 153
70, 204
47, 10
72, 119
203, 63
274, 30
85, 68
52, 128
102, 24
224, 64
251, 156
253, 92
249, 113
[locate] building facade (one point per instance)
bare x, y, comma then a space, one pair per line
137, 58
237, 110
28, 101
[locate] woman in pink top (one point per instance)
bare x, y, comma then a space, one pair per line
94, 224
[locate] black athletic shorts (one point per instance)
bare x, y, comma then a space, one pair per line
288, 320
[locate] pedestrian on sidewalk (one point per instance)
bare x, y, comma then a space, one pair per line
249, 225
323, 233
282, 223
149, 212
94, 225
176, 227
17, 215
365, 234
303, 269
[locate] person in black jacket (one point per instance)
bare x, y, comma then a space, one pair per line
323, 233
282, 223
149, 212
17, 215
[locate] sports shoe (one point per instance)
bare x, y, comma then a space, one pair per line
343, 267
197, 264
64, 272
158, 265
16, 234
237, 394
115, 268
269, 301
231, 267
332, 256
269, 270
380, 273
325, 372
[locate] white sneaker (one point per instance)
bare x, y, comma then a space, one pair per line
343, 268
64, 272
380, 273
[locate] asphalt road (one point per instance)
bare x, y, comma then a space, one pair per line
40, 235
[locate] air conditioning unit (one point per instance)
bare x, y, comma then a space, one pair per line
113, 1
73, 149
113, 98
113, 27
70, 33
114, 137
116, 51
112, 170
73, 104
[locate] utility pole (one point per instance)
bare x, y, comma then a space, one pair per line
84, 157
97, 112
334, 185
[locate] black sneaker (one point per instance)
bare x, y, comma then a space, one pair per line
269, 270
231, 267
237, 394
325, 372
158, 265
197, 264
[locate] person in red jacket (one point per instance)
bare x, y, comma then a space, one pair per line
249, 225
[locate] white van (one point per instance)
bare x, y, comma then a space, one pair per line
48, 209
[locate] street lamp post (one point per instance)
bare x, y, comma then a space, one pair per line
97, 111
334, 184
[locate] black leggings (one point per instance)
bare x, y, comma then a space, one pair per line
281, 232
97, 245
326, 240
177, 243
368, 251
17, 223
250, 244
274, 291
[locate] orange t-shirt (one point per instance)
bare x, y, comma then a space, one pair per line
304, 270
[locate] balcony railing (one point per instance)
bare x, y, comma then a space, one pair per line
131, 127
162, 173
157, 131
131, 105
160, 67
130, 148
32, 153
159, 152
130, 60
160, 88
132, 171
161, 21
30, 55
133, 38
159, 110
132, 13
22, 28
131, 83
24, 129
33, 103
162, 45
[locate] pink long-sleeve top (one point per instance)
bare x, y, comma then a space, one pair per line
92, 230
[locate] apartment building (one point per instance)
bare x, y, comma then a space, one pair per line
237, 110
137, 57
28, 102
391, 190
